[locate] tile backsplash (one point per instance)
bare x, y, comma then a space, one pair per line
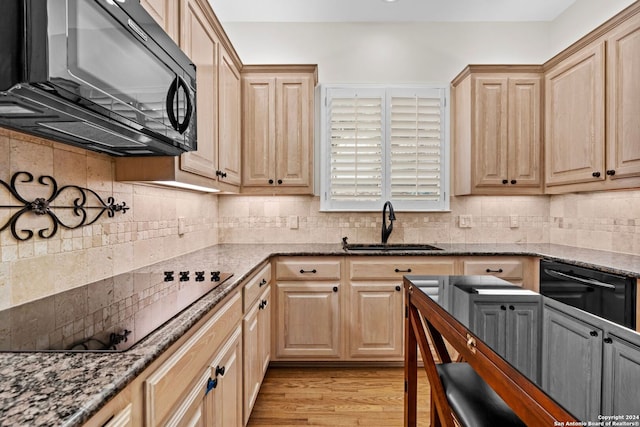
145, 234
148, 232
296, 219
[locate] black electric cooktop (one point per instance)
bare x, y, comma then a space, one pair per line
109, 315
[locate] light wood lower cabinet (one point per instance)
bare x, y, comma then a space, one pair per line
188, 368
257, 343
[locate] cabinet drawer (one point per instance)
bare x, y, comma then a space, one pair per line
170, 382
504, 268
393, 268
307, 268
255, 285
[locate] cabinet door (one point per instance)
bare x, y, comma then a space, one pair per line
252, 368
264, 332
258, 131
375, 320
491, 102
166, 14
230, 160
574, 122
522, 337
489, 321
621, 377
294, 137
524, 135
572, 363
623, 93
309, 320
201, 44
227, 396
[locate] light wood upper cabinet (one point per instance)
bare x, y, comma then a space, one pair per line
623, 98
200, 42
574, 106
165, 13
497, 130
229, 137
592, 105
277, 117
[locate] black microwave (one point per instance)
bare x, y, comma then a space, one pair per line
98, 74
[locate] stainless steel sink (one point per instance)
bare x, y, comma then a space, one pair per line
387, 247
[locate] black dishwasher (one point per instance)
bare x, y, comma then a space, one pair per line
610, 296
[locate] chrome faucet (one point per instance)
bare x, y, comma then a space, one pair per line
386, 231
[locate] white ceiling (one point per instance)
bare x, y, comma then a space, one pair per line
381, 11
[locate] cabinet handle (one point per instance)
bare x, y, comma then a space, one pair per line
488, 270
220, 370
608, 340
264, 303
262, 283
261, 305
335, 289
511, 307
593, 333
184, 276
471, 344
211, 384
279, 181
513, 181
596, 174
270, 181
611, 172
505, 181
314, 271
502, 307
408, 270
398, 288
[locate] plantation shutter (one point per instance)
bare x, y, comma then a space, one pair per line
384, 143
415, 144
356, 139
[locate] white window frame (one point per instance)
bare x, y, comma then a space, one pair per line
324, 152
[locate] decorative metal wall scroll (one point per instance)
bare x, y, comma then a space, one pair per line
81, 202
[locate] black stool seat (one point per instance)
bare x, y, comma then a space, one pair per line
472, 400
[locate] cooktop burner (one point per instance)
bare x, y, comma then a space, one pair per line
111, 315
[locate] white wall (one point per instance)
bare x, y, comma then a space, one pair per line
580, 19
413, 52
389, 52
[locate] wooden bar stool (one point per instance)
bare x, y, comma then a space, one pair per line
459, 396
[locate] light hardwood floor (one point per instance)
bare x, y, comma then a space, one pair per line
371, 397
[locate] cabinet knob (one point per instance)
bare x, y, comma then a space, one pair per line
220, 370
513, 181
270, 181
279, 181
502, 307
335, 289
505, 181
607, 340
398, 288
596, 174
221, 174
511, 308
611, 172
593, 333
262, 283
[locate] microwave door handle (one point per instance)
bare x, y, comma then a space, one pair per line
583, 280
172, 105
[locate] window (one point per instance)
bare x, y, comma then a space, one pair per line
381, 144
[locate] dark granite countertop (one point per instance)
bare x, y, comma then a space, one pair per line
66, 389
